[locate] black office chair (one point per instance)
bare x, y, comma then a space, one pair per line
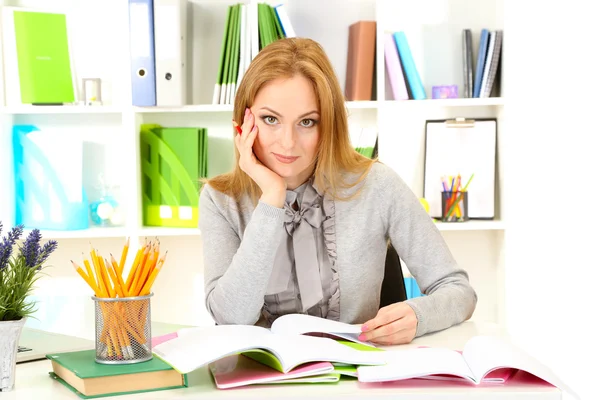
393, 289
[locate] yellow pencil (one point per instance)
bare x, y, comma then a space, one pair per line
123, 257
133, 268
148, 286
86, 278
119, 277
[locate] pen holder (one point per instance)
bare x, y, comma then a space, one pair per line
123, 333
455, 206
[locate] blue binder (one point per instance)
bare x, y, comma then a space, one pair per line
141, 50
410, 69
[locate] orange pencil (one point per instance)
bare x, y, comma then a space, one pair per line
123, 257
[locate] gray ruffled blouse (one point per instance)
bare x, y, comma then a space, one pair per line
304, 278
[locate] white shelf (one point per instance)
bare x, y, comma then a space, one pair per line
115, 232
358, 105
159, 231
108, 232
471, 226
197, 108
118, 232
68, 109
465, 102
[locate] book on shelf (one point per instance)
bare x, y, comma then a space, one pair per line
248, 29
467, 53
403, 75
360, 62
81, 374
487, 75
293, 340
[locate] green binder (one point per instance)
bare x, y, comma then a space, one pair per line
81, 374
43, 58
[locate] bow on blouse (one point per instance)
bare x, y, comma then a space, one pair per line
299, 225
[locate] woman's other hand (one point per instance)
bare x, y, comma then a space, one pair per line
393, 324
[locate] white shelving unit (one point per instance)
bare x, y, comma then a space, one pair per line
400, 124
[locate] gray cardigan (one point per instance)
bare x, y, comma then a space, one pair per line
240, 240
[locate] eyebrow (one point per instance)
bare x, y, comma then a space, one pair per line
279, 115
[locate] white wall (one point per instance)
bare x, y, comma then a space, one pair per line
552, 242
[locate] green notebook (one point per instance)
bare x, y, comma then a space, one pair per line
43, 58
79, 372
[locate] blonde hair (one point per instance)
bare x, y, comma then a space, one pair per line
286, 58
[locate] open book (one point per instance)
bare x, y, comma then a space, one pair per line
482, 357
285, 346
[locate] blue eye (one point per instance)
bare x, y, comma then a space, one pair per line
269, 120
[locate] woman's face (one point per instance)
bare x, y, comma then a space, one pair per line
287, 116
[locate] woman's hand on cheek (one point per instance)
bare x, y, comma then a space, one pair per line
393, 324
272, 185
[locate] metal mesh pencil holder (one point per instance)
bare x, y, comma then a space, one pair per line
123, 329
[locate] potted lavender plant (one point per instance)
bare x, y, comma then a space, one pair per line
19, 270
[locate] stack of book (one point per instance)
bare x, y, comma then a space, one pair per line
488, 63
248, 29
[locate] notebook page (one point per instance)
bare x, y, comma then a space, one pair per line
298, 349
298, 324
196, 347
414, 363
486, 353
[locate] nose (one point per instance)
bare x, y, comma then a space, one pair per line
288, 137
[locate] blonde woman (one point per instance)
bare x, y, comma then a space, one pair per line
301, 224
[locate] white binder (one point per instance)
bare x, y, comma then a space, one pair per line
170, 41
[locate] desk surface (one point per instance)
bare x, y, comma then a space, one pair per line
33, 382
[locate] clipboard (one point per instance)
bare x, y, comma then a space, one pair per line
462, 146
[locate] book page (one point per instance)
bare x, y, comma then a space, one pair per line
295, 350
487, 353
196, 347
415, 363
298, 324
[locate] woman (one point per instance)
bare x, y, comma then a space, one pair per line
302, 223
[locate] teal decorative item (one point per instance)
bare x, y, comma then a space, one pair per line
106, 211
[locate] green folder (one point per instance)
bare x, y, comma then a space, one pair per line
186, 143
172, 161
43, 58
222, 59
234, 59
82, 365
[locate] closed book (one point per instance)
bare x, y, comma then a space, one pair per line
79, 372
494, 65
467, 62
37, 56
360, 64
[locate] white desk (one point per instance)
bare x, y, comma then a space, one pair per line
33, 382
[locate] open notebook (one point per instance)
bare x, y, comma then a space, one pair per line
484, 359
289, 343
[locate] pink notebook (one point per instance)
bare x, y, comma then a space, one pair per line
394, 68
164, 338
500, 376
238, 370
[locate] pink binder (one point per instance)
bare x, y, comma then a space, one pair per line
394, 68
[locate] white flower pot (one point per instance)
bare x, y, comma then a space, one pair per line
10, 332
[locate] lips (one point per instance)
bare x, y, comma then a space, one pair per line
285, 159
